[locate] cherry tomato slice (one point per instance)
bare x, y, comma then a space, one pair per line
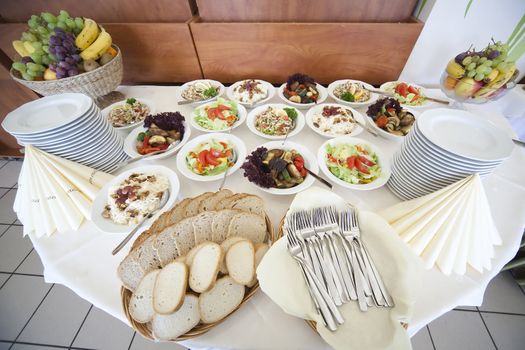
350, 162
361, 167
211, 159
202, 157
366, 161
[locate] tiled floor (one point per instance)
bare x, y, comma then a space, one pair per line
38, 316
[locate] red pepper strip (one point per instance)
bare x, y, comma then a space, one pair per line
223, 108
147, 150
350, 162
361, 167
413, 90
202, 157
303, 172
211, 159
366, 161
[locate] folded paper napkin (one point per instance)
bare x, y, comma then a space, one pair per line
55, 194
281, 279
451, 228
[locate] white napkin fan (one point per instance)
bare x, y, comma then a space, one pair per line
450, 228
55, 194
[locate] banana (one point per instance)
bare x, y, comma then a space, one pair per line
494, 85
29, 48
20, 48
98, 48
88, 35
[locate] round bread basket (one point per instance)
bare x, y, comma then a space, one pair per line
98, 82
144, 328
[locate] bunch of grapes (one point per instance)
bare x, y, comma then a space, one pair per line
29, 69
480, 64
62, 47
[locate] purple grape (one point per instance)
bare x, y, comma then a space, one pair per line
61, 49
493, 54
59, 30
53, 67
61, 71
64, 64
77, 58
60, 56
55, 41
26, 60
52, 50
459, 58
68, 46
72, 72
60, 76
70, 60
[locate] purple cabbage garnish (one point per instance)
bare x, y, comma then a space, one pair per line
377, 108
256, 171
166, 121
300, 78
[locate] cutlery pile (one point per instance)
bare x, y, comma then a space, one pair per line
335, 263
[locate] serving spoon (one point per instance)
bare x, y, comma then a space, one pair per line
130, 235
391, 94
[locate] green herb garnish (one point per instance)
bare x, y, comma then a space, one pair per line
140, 136
292, 113
348, 97
131, 101
210, 92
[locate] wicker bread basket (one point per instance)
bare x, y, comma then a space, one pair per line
98, 82
144, 328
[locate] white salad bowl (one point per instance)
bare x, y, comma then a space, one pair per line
124, 130
309, 161
389, 87
388, 135
240, 109
319, 108
335, 84
231, 95
322, 97
130, 143
178, 94
384, 162
107, 225
238, 147
252, 116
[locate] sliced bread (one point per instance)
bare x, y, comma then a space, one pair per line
130, 272
221, 223
171, 217
192, 208
210, 203
260, 250
205, 266
202, 226
164, 244
249, 203
191, 254
227, 202
183, 236
170, 327
141, 302
221, 300
170, 288
225, 245
248, 225
240, 262
147, 256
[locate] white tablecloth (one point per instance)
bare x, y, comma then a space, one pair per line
82, 260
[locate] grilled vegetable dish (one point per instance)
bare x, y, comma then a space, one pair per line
301, 88
388, 115
163, 129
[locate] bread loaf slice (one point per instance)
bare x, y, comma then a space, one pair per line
147, 256
210, 203
141, 302
249, 203
227, 202
192, 208
260, 250
170, 327
221, 223
191, 254
228, 242
171, 217
205, 266
202, 226
248, 225
164, 244
170, 288
217, 303
130, 272
183, 236
240, 262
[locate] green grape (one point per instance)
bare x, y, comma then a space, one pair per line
32, 66
42, 30
32, 23
480, 69
37, 45
31, 73
479, 77
466, 61
19, 66
46, 60
471, 73
488, 63
48, 17
487, 70
27, 76
62, 25
475, 58
79, 22
70, 23
39, 67
36, 57
51, 26
482, 60
64, 13
26, 36
45, 48
53, 58
471, 66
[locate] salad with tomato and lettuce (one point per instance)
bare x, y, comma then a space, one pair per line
407, 94
218, 115
210, 158
355, 164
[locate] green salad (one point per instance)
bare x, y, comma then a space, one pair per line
210, 158
217, 115
355, 164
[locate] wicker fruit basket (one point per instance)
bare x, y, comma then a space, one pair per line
144, 328
98, 82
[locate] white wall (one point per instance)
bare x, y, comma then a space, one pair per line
447, 33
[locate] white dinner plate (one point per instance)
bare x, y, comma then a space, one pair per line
384, 162
335, 84
131, 141
238, 147
241, 111
252, 117
310, 162
269, 87
129, 127
319, 108
107, 225
322, 96
215, 83
389, 87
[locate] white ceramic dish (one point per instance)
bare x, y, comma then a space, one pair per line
319, 108
131, 141
252, 117
269, 87
238, 145
241, 117
107, 225
389, 87
335, 84
322, 97
126, 129
388, 135
179, 97
310, 162
384, 162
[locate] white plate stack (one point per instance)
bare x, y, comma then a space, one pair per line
70, 126
445, 146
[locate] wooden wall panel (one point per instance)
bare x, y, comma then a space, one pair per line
114, 11
373, 52
306, 10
